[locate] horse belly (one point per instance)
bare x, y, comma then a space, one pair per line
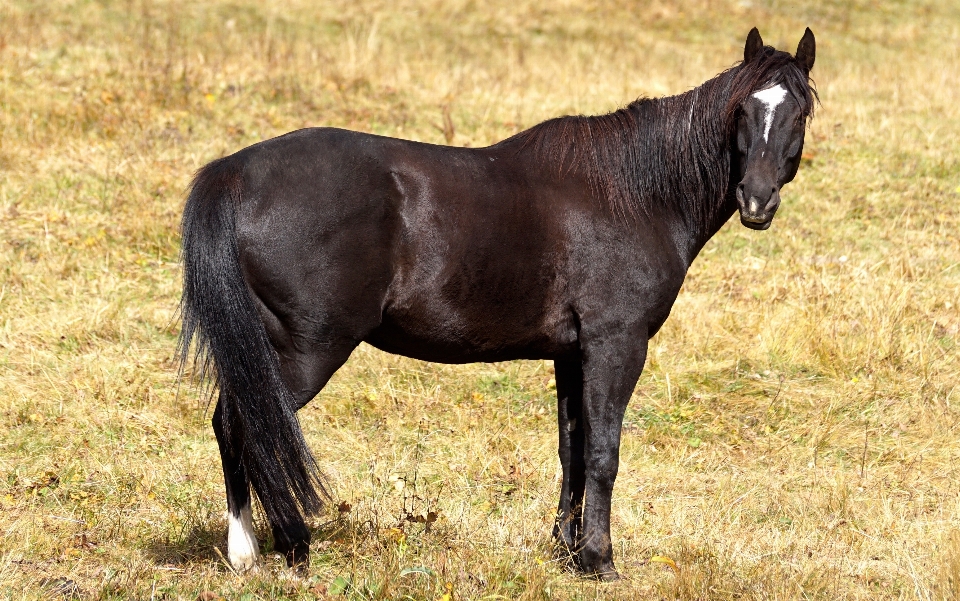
468, 337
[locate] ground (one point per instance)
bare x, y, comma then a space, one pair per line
794, 435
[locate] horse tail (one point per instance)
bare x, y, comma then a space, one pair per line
232, 346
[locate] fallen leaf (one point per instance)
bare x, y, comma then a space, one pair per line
447, 596
395, 534
666, 561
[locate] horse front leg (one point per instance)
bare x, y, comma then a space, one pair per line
611, 368
566, 530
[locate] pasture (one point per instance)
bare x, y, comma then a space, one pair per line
794, 435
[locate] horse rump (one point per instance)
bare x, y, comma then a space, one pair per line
231, 345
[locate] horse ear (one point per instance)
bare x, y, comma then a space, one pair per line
807, 50
753, 45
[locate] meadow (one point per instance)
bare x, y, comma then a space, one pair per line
795, 432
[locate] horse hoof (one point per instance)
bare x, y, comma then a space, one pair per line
298, 560
244, 561
606, 574
296, 575
564, 552
245, 567
609, 576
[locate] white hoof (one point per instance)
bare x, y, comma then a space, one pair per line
242, 549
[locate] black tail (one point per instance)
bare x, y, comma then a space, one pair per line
219, 313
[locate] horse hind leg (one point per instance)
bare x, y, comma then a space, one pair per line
242, 549
305, 374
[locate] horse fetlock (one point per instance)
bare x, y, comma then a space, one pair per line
565, 533
597, 564
291, 539
242, 549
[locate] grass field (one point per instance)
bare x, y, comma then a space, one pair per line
795, 433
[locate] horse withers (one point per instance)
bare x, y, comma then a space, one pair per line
568, 241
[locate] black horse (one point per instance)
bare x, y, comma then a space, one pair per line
568, 241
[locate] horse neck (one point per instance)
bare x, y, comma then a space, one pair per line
686, 164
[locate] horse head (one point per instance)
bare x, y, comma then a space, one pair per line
770, 128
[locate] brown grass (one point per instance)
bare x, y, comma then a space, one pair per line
793, 437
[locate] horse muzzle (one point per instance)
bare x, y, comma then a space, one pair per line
755, 213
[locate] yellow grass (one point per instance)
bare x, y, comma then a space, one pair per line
793, 437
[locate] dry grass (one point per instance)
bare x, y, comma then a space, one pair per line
793, 437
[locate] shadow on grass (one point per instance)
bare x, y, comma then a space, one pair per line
202, 543
363, 553
191, 546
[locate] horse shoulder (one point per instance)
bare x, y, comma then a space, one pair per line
623, 273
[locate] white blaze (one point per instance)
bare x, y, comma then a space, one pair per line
771, 99
242, 550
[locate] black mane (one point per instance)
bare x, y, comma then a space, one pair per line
666, 151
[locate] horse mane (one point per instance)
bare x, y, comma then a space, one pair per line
666, 151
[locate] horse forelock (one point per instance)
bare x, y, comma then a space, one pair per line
768, 68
